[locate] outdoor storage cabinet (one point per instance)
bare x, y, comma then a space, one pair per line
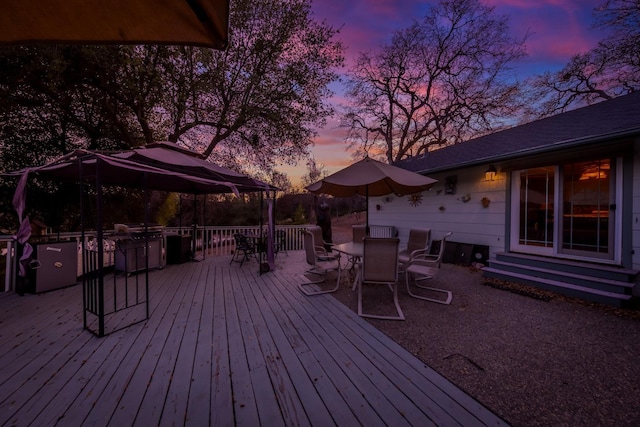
54, 266
178, 248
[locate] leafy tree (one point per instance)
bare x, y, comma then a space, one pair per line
437, 82
267, 92
299, 215
249, 107
610, 69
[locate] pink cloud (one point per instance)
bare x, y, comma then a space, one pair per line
558, 30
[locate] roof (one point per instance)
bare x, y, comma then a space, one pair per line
607, 120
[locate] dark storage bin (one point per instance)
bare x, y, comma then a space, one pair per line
458, 253
178, 249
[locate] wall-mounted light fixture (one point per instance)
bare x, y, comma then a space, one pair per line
490, 173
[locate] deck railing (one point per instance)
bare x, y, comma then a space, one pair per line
209, 241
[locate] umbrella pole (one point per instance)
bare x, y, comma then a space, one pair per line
195, 228
367, 212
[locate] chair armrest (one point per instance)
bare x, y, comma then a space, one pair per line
425, 260
322, 254
419, 252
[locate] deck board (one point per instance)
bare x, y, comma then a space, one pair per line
223, 346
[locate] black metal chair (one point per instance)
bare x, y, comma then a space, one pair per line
281, 242
245, 249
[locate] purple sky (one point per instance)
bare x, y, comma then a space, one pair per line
558, 29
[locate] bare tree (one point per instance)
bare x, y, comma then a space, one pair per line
435, 83
315, 172
610, 69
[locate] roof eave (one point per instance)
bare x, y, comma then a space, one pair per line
560, 145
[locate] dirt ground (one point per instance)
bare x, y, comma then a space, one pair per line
533, 357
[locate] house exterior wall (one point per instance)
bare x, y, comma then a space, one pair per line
469, 221
635, 221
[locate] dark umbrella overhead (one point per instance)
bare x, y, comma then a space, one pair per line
370, 177
86, 165
170, 156
179, 22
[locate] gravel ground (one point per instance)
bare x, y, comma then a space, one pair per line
533, 357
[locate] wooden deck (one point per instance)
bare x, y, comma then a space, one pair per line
223, 346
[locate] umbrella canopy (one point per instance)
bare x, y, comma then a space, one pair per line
172, 157
370, 177
180, 22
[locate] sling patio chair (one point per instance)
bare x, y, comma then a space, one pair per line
425, 267
380, 267
321, 263
419, 243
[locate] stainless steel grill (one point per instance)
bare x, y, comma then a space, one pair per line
131, 250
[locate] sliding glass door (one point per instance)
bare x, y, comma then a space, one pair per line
588, 209
565, 209
534, 200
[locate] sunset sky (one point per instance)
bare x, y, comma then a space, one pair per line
558, 29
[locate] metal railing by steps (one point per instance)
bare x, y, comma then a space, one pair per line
584, 280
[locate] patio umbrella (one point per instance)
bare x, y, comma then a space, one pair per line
180, 22
370, 177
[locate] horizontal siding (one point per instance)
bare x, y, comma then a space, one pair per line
636, 209
470, 222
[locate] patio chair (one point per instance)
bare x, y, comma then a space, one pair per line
281, 242
317, 235
380, 267
419, 243
359, 232
321, 263
425, 267
245, 249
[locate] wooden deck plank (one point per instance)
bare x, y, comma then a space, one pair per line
244, 401
42, 365
109, 362
199, 396
154, 361
443, 393
223, 346
271, 410
297, 398
374, 386
175, 406
326, 376
221, 398
22, 345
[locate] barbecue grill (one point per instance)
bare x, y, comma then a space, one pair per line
130, 247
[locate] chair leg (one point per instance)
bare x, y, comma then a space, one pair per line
301, 286
400, 314
448, 294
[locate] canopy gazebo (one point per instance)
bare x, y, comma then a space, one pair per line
103, 168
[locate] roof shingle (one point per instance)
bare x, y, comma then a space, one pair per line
606, 120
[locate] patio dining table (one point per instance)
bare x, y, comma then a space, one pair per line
353, 250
